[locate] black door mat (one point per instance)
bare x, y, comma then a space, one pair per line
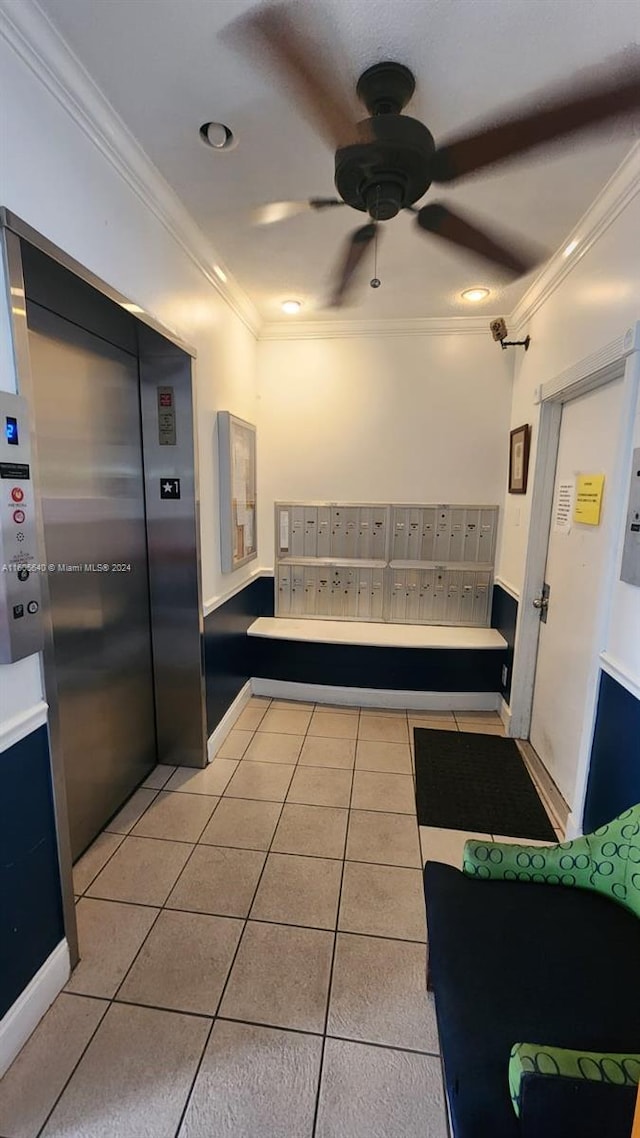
475, 782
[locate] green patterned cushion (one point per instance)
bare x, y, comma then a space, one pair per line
606, 861
622, 1069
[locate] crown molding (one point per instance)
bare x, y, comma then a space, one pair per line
338, 329
621, 188
32, 36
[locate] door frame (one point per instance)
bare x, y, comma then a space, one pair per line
618, 359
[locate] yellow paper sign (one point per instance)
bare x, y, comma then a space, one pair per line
589, 490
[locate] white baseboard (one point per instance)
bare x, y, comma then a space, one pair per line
377, 697
504, 711
25, 1015
219, 734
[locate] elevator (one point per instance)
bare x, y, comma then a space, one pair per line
112, 420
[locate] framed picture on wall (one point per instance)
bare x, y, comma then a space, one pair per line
519, 459
238, 529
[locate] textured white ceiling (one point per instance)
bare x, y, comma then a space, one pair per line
166, 69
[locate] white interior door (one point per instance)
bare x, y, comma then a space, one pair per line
590, 434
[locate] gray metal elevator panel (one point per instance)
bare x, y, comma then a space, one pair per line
20, 559
87, 416
414, 564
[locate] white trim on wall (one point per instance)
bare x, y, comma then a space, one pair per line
24, 1016
619, 673
219, 734
508, 587
377, 697
215, 602
338, 329
37, 42
23, 724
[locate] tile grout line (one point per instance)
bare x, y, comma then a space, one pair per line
335, 944
235, 954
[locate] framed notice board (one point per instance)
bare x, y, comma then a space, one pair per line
238, 530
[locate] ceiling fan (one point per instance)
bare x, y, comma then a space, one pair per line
388, 161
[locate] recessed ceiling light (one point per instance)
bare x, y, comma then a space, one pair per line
291, 307
571, 247
475, 294
217, 135
220, 273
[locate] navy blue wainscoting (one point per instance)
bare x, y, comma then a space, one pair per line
357, 666
504, 617
227, 647
31, 922
614, 771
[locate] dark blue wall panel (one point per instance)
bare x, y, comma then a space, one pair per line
504, 617
231, 657
30, 904
357, 666
227, 647
614, 772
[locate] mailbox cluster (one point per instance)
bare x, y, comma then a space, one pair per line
408, 564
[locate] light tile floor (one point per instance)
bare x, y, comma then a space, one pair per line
253, 946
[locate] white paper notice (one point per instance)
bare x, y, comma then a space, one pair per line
564, 507
248, 531
284, 531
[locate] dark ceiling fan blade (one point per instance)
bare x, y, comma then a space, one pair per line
442, 222
275, 31
616, 96
271, 212
355, 250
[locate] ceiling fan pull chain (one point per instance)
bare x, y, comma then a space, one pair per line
375, 281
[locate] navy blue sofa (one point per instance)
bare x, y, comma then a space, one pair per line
513, 962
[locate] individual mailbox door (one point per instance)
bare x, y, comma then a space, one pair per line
481, 598
414, 534
471, 535
297, 590
351, 531
399, 540
457, 532
413, 594
337, 531
429, 518
454, 588
363, 594
284, 590
350, 593
284, 531
297, 531
323, 604
310, 590
378, 547
439, 595
336, 592
427, 578
377, 594
398, 594
365, 535
324, 531
442, 535
467, 597
487, 535
310, 531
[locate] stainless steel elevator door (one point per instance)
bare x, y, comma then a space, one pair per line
87, 413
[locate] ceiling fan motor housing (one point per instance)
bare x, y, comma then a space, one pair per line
383, 176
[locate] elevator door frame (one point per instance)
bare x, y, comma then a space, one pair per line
164, 360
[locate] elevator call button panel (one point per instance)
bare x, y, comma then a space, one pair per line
20, 560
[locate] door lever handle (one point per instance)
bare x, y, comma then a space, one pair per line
540, 602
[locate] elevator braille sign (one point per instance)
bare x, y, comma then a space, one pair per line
170, 488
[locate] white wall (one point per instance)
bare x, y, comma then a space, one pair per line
592, 306
381, 418
55, 178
